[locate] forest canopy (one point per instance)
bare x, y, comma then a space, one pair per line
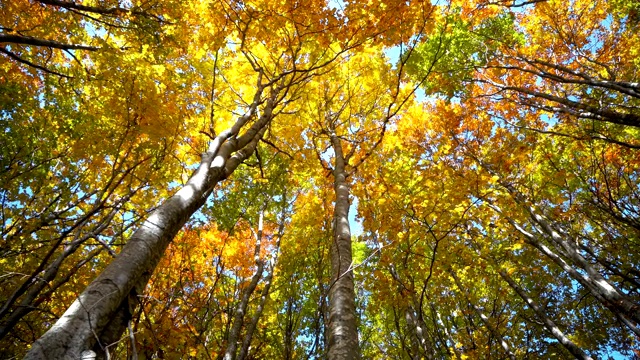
289, 179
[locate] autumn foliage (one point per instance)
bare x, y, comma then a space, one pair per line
307, 179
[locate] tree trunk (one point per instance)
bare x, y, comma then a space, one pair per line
114, 292
548, 323
241, 309
343, 333
417, 328
447, 333
238, 320
608, 290
484, 318
593, 281
251, 327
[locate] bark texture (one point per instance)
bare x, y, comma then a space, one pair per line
565, 251
421, 346
99, 315
343, 332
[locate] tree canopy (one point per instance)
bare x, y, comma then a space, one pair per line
316, 179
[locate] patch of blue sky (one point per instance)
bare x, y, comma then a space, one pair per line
94, 31
337, 5
354, 223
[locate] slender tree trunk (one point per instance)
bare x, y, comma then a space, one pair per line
447, 333
114, 292
417, 327
586, 282
608, 290
343, 332
630, 276
241, 309
288, 330
238, 319
36, 283
596, 284
601, 288
548, 323
251, 327
439, 341
484, 318
415, 352
583, 110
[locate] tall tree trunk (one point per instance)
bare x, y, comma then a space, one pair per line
423, 347
238, 319
343, 332
289, 339
484, 318
414, 351
447, 333
567, 245
623, 308
548, 323
251, 327
114, 292
241, 309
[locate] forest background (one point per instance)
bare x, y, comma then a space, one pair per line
179, 179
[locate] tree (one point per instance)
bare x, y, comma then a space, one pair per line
76, 163
252, 179
118, 285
